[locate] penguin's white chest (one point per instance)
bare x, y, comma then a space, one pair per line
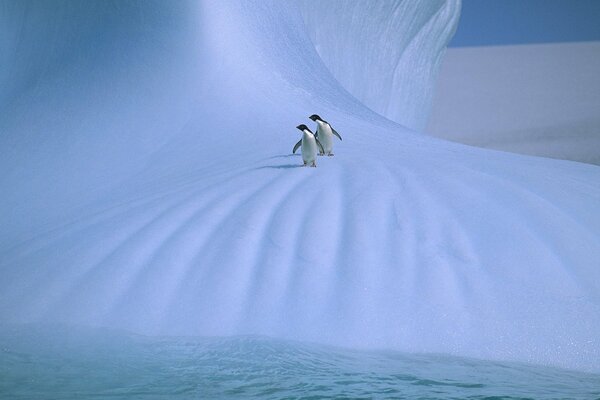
309, 148
326, 137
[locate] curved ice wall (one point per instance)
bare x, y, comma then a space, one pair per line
385, 53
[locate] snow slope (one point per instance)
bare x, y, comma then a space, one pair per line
148, 185
532, 99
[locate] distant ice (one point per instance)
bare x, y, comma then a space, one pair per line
542, 100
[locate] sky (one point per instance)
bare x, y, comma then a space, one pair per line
504, 22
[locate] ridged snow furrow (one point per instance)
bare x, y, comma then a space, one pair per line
353, 254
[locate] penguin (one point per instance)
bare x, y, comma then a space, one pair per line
325, 134
309, 145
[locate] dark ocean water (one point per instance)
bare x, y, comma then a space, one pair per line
60, 363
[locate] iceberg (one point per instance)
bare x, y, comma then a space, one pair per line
148, 184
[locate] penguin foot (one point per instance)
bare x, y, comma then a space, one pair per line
314, 164
330, 155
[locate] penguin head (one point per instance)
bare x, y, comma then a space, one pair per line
315, 118
303, 128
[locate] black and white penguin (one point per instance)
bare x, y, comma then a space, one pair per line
325, 134
309, 145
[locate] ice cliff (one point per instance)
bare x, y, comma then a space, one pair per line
385, 53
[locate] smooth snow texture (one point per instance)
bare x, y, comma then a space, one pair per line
148, 184
542, 100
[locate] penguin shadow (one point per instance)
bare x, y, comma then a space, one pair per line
285, 166
282, 166
283, 156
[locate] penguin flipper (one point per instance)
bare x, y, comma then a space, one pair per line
320, 145
296, 146
335, 132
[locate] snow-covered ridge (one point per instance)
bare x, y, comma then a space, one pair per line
153, 189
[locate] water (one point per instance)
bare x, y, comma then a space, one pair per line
60, 363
